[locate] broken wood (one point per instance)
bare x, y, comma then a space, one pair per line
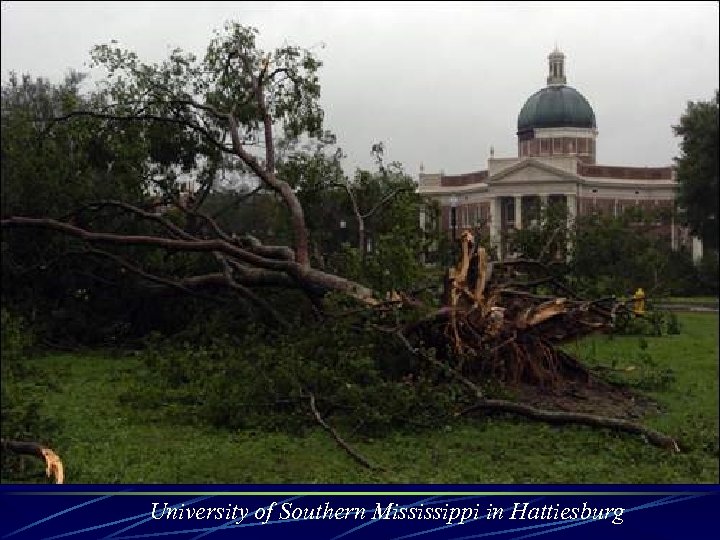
499, 330
53, 464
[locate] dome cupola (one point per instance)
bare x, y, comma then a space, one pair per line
557, 111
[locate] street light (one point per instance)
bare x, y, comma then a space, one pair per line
343, 231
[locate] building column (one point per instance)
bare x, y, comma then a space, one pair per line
673, 238
494, 221
518, 211
572, 212
571, 206
697, 249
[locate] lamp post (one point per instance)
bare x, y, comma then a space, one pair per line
343, 231
453, 222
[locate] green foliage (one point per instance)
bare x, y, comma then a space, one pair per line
614, 255
51, 168
707, 273
673, 324
697, 168
21, 394
121, 442
618, 255
652, 323
393, 238
128, 140
547, 238
258, 380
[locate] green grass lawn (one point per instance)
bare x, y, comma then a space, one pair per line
689, 300
104, 439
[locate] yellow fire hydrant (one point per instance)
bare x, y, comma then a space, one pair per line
639, 301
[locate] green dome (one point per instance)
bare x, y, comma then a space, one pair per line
556, 106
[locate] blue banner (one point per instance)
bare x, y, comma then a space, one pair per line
358, 511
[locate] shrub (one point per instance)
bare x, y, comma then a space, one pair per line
20, 401
362, 381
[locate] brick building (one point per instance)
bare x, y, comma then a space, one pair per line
555, 163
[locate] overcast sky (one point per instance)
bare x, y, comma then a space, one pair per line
438, 82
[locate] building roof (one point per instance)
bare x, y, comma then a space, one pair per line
625, 173
556, 106
466, 179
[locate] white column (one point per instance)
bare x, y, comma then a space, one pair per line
543, 207
571, 206
697, 249
518, 211
673, 238
494, 221
572, 211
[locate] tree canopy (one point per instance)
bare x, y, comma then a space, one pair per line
697, 168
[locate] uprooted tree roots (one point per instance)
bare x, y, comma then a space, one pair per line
498, 328
495, 327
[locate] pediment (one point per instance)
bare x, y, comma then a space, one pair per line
529, 171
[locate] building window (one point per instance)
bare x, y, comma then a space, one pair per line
544, 146
508, 211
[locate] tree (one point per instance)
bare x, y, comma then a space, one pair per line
193, 115
53, 173
697, 169
234, 98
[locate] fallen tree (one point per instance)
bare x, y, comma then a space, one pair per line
492, 323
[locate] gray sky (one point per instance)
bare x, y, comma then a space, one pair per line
439, 83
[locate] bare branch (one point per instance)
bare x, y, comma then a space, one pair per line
305, 276
357, 456
390, 196
561, 417
247, 293
167, 243
175, 231
181, 285
283, 189
239, 198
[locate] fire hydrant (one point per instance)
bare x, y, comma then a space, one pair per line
639, 301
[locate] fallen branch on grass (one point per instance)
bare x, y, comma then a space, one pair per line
357, 456
559, 417
53, 464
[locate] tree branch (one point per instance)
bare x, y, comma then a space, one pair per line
53, 464
282, 188
357, 456
247, 293
145, 117
385, 200
176, 231
305, 276
561, 417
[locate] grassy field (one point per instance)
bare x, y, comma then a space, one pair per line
104, 439
690, 300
